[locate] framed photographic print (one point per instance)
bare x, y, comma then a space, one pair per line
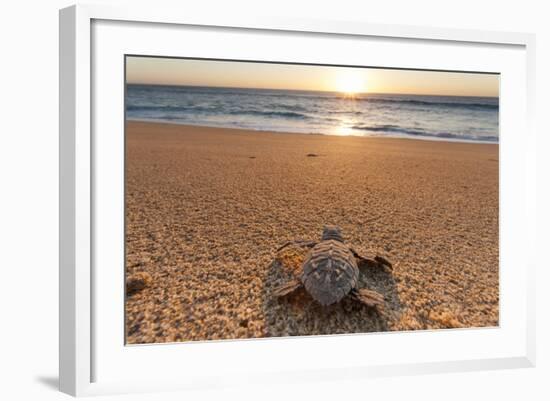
262, 200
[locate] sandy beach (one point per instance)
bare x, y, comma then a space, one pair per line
206, 209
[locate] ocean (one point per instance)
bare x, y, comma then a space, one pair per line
451, 118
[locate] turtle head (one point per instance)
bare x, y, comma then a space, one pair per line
332, 232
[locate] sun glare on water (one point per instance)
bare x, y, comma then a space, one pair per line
351, 83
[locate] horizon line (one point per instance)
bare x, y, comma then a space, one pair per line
304, 90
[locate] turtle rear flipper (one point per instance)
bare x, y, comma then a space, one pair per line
287, 288
369, 298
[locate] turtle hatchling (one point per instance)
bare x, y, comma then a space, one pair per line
330, 271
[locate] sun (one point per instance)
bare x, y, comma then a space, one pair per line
350, 83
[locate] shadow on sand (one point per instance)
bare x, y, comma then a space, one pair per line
298, 314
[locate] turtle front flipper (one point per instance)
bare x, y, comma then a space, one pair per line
287, 288
383, 261
378, 261
369, 298
300, 243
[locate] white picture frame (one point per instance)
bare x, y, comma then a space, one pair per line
88, 359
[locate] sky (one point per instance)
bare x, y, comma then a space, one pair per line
349, 80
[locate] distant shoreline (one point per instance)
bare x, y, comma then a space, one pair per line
385, 136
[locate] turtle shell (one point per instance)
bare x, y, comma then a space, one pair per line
330, 272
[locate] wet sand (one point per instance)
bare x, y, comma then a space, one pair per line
206, 209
